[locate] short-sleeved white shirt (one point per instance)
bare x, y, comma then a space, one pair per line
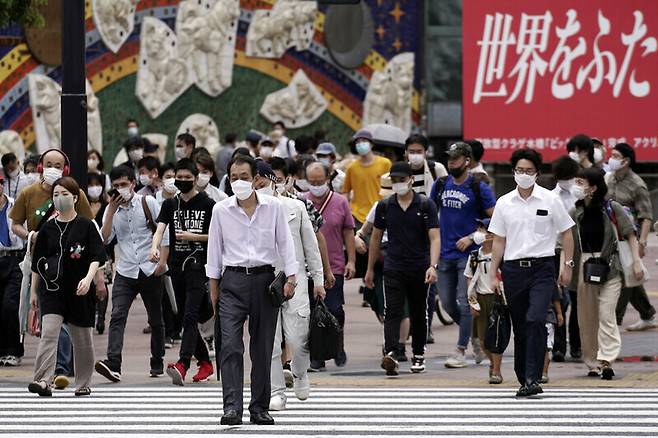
530, 226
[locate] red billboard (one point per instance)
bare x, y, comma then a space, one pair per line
536, 72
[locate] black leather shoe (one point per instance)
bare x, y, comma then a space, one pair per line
231, 418
558, 356
529, 390
261, 418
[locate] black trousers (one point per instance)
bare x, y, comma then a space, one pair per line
191, 298
10, 291
244, 296
398, 287
528, 292
638, 298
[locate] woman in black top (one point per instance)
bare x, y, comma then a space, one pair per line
598, 225
67, 254
98, 202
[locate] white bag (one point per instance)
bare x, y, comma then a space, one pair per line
626, 260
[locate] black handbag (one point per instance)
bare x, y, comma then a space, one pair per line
276, 289
595, 270
499, 327
324, 334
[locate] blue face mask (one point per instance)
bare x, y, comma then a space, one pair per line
363, 147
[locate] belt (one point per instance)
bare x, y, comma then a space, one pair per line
12, 252
249, 271
530, 262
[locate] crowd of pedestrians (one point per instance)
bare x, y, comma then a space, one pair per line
208, 241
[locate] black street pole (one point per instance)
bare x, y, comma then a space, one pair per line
74, 98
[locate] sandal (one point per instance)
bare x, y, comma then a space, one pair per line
85, 390
495, 379
40, 387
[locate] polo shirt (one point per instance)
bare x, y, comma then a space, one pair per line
408, 243
530, 226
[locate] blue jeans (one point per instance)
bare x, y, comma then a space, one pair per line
64, 365
453, 294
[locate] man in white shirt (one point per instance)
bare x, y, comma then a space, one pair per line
476, 167
15, 179
285, 147
248, 235
293, 317
526, 223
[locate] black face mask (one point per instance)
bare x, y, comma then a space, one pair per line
184, 186
456, 172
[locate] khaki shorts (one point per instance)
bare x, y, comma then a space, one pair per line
480, 323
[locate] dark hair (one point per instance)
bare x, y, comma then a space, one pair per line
293, 168
626, 151
565, 168
32, 159
205, 161
305, 144
133, 143
596, 178
477, 149
417, 139
121, 171
303, 161
132, 121
279, 163
243, 159
69, 184
186, 164
188, 139
596, 142
101, 162
320, 135
280, 123
96, 178
8, 158
527, 154
240, 151
581, 142
169, 165
231, 137
149, 162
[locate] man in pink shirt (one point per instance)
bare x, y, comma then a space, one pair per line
338, 231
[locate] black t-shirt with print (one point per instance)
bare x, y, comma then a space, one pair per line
195, 214
62, 255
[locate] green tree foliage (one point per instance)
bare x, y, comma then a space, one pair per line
23, 12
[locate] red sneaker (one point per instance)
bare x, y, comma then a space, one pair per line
177, 373
204, 373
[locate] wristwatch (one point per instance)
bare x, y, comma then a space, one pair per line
292, 283
570, 263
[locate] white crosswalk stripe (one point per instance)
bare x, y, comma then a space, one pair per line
145, 412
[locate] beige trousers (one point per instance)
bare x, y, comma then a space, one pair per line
83, 351
599, 333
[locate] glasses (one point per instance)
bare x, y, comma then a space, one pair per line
531, 172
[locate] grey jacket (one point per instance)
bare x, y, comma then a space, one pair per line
609, 250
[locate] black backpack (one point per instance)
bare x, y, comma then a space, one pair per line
424, 206
474, 186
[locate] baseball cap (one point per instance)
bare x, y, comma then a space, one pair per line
325, 149
460, 149
484, 222
362, 133
253, 136
265, 170
401, 169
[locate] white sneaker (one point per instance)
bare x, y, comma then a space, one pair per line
457, 360
643, 324
12, 361
278, 402
477, 351
302, 387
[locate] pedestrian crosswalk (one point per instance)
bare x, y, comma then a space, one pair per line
345, 412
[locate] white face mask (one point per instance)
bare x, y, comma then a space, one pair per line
401, 189
565, 184
169, 185
126, 193
92, 165
266, 191
324, 161
242, 189
363, 147
524, 181
574, 156
203, 180
14, 173
180, 152
94, 192
615, 164
136, 155
302, 185
144, 180
479, 237
416, 160
63, 203
318, 191
133, 131
281, 188
578, 192
266, 151
51, 174
598, 155
32, 177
